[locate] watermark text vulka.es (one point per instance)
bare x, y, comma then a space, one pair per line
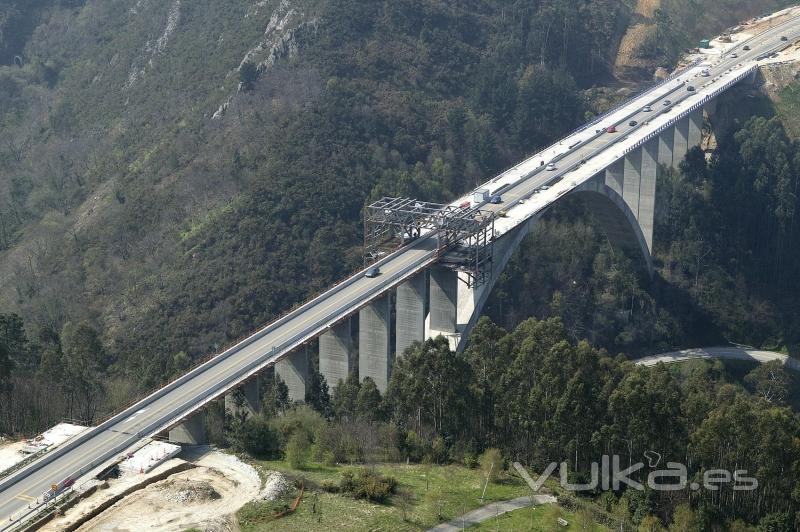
609, 474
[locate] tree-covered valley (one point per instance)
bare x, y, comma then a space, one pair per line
174, 174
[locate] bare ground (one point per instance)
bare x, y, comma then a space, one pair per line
205, 497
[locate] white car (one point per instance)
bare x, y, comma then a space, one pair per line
551, 167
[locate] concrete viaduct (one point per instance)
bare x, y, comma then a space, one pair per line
436, 284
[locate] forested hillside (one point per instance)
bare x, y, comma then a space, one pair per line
176, 173
173, 174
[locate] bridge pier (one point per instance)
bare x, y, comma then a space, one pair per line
336, 353
632, 180
710, 107
615, 176
374, 342
695, 134
293, 371
246, 399
192, 431
681, 143
410, 313
666, 145
443, 302
647, 190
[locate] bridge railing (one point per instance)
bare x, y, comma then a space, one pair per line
596, 120
686, 112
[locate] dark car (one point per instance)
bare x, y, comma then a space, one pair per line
373, 272
496, 199
746, 48
690, 88
784, 38
667, 103
632, 123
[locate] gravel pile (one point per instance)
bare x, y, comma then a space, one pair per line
187, 492
275, 486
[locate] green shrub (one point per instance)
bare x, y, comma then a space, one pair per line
368, 484
471, 460
301, 418
491, 463
254, 436
329, 485
328, 458
298, 449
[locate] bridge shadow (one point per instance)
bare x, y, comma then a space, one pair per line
698, 326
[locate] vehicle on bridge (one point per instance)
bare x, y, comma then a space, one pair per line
647, 109
372, 272
496, 199
551, 167
611, 129
633, 123
690, 88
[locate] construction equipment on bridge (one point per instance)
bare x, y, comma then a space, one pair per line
464, 235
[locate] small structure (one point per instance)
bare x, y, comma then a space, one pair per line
150, 456
54, 436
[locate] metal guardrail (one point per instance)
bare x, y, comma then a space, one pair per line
684, 113
24, 462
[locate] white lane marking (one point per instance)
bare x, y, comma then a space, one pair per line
133, 416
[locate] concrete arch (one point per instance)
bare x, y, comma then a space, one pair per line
617, 221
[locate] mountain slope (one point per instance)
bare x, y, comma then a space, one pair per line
178, 172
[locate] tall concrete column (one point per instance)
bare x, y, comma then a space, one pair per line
192, 431
246, 399
336, 353
293, 371
666, 144
374, 342
710, 107
615, 176
443, 300
695, 135
681, 144
410, 313
647, 190
632, 164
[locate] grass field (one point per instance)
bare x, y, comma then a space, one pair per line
427, 496
542, 518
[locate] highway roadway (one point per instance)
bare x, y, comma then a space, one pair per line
169, 406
